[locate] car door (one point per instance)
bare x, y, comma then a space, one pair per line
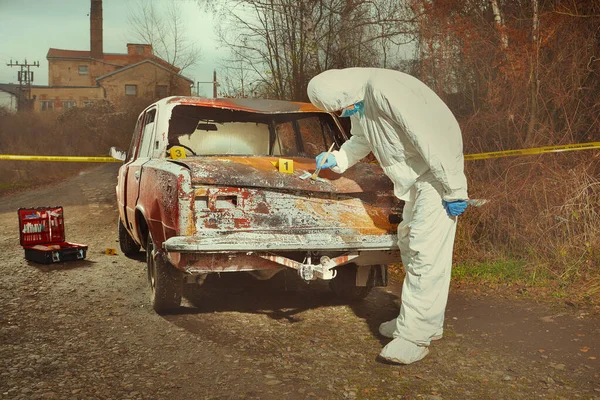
122, 178
141, 155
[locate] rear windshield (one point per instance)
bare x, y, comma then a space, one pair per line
210, 131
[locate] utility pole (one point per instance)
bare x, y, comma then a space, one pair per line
242, 77
214, 83
25, 77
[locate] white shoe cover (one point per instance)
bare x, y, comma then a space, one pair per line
386, 329
402, 351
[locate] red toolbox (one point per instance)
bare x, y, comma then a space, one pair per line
42, 232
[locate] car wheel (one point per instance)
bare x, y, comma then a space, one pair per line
128, 246
166, 281
344, 284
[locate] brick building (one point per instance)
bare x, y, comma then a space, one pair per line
77, 78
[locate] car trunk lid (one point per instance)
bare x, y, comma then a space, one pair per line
260, 172
249, 194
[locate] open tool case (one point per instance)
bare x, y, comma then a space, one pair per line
42, 233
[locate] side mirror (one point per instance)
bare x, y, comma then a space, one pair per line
117, 154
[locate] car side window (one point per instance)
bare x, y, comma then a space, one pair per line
285, 141
135, 138
147, 133
316, 135
305, 136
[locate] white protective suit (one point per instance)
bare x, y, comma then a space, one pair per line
418, 143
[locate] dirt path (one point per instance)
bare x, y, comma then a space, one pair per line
84, 330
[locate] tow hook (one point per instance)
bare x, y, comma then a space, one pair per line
306, 272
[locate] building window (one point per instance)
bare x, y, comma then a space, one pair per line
87, 103
139, 49
46, 105
69, 104
161, 91
131, 90
83, 70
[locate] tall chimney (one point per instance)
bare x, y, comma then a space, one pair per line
96, 50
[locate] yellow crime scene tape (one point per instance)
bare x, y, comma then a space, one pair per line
14, 157
533, 150
478, 156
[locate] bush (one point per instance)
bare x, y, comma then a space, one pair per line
88, 131
543, 211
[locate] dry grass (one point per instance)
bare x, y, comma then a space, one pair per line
89, 131
544, 214
540, 228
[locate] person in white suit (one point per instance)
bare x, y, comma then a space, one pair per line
417, 141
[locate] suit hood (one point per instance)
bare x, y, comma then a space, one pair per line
335, 89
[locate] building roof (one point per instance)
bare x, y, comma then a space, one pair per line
60, 53
118, 71
111, 58
11, 88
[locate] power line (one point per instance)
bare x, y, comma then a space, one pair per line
25, 77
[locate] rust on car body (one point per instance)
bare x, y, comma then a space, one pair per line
250, 105
222, 211
260, 172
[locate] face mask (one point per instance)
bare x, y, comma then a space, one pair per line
356, 108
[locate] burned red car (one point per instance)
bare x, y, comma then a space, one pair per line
224, 185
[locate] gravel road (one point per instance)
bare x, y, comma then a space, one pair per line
84, 330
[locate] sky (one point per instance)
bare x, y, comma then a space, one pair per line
28, 28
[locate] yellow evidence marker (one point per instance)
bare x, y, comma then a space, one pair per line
177, 152
284, 165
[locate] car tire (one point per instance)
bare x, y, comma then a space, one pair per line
166, 281
344, 284
128, 246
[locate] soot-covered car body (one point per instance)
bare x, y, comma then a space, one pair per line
220, 185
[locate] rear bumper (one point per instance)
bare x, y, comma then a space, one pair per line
272, 242
243, 251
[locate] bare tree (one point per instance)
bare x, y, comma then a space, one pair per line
285, 42
238, 80
499, 22
164, 30
533, 73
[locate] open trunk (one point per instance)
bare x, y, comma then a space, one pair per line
243, 205
248, 194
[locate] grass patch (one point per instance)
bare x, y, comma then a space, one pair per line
513, 276
6, 188
500, 271
13, 186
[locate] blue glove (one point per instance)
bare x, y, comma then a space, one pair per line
356, 108
455, 208
329, 163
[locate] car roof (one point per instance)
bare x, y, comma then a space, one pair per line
261, 106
